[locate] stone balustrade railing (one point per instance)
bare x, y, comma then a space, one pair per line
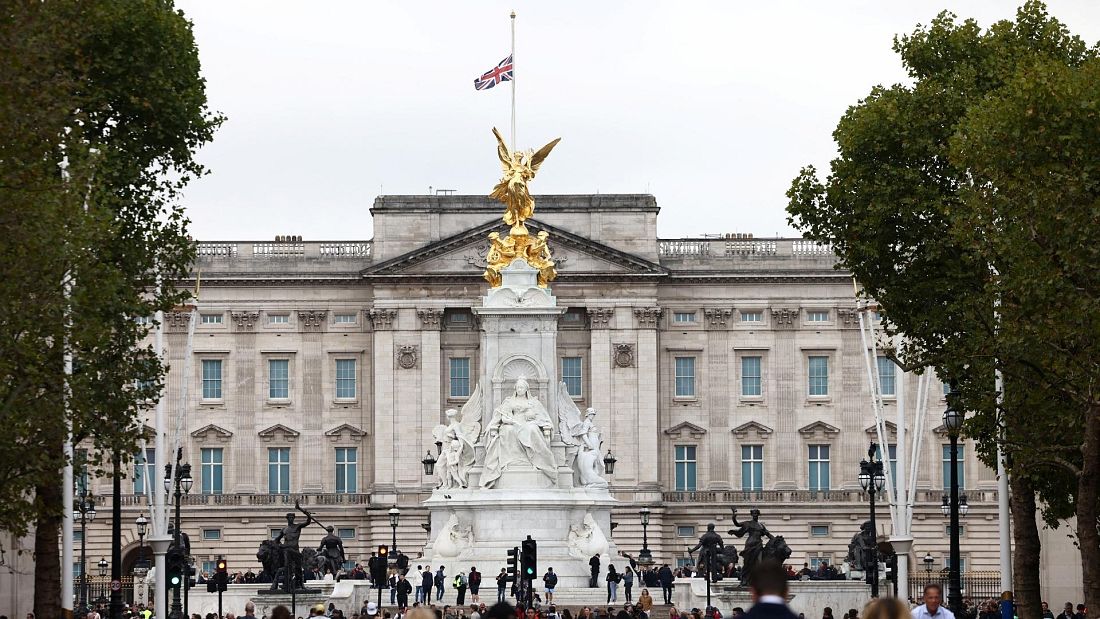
737, 497
255, 499
741, 247
262, 250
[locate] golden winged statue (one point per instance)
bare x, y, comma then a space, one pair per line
519, 169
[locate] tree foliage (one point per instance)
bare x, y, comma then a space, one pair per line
964, 202
102, 107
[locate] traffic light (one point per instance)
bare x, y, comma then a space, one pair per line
892, 568
378, 566
528, 559
190, 571
513, 563
221, 574
174, 566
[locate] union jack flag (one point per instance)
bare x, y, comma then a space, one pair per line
501, 73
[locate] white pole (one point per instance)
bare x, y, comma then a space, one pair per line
159, 540
902, 540
513, 81
67, 471
1004, 524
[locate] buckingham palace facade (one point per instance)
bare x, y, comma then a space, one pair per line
727, 371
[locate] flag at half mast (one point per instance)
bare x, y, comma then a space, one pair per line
500, 73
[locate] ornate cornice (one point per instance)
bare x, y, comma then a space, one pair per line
760, 430
686, 427
717, 318
848, 317
784, 317
600, 317
312, 320
177, 321
382, 319
647, 317
430, 318
245, 321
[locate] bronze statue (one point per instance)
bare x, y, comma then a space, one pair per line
332, 551
710, 561
858, 548
754, 531
291, 556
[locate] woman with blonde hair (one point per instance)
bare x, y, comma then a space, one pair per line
885, 608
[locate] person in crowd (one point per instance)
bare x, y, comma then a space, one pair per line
768, 587
249, 610
931, 608
645, 602
594, 568
885, 608
827, 613
550, 581
502, 584
613, 578
280, 612
440, 583
1047, 614
628, 581
665, 577
474, 582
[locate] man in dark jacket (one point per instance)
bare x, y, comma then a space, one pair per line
665, 576
440, 584
426, 581
594, 563
404, 588
768, 586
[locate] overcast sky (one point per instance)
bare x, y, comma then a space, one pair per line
711, 107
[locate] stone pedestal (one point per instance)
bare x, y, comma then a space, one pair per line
476, 526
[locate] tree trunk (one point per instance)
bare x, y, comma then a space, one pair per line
47, 555
1088, 509
1025, 557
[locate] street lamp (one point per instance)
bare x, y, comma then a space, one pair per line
645, 557
84, 511
395, 516
103, 566
609, 462
180, 479
928, 561
429, 463
871, 479
142, 525
953, 421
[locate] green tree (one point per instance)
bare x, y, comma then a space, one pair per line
899, 206
108, 91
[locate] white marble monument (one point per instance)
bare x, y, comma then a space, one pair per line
520, 459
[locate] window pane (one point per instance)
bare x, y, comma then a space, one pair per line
211, 464
752, 468
819, 375
345, 379
278, 379
571, 375
887, 376
752, 317
460, 377
149, 463
683, 317
346, 459
750, 376
819, 530
685, 377
211, 379
345, 319
278, 470
819, 467
685, 467
947, 467
818, 316
345, 533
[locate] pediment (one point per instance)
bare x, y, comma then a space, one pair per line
759, 430
891, 429
686, 428
818, 428
210, 433
278, 431
463, 256
345, 431
148, 432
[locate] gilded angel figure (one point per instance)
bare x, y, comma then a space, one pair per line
519, 168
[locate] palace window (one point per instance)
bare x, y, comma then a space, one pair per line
947, 467
685, 377
818, 376
819, 467
683, 317
819, 530
685, 468
887, 375
571, 375
278, 379
750, 376
210, 319
460, 377
141, 465
278, 470
345, 379
212, 535
817, 316
211, 465
278, 319
346, 459
211, 379
752, 468
344, 319
752, 316
345, 533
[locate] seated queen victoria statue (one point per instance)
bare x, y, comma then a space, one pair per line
519, 437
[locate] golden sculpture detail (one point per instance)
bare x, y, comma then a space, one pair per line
519, 168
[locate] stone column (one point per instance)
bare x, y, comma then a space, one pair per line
383, 366
717, 401
648, 367
313, 453
600, 320
789, 394
852, 400
239, 459
431, 408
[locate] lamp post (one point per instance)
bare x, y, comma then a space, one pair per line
181, 481
429, 463
645, 557
142, 525
102, 572
609, 463
83, 510
928, 561
395, 516
953, 422
871, 479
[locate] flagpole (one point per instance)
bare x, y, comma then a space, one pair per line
513, 81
